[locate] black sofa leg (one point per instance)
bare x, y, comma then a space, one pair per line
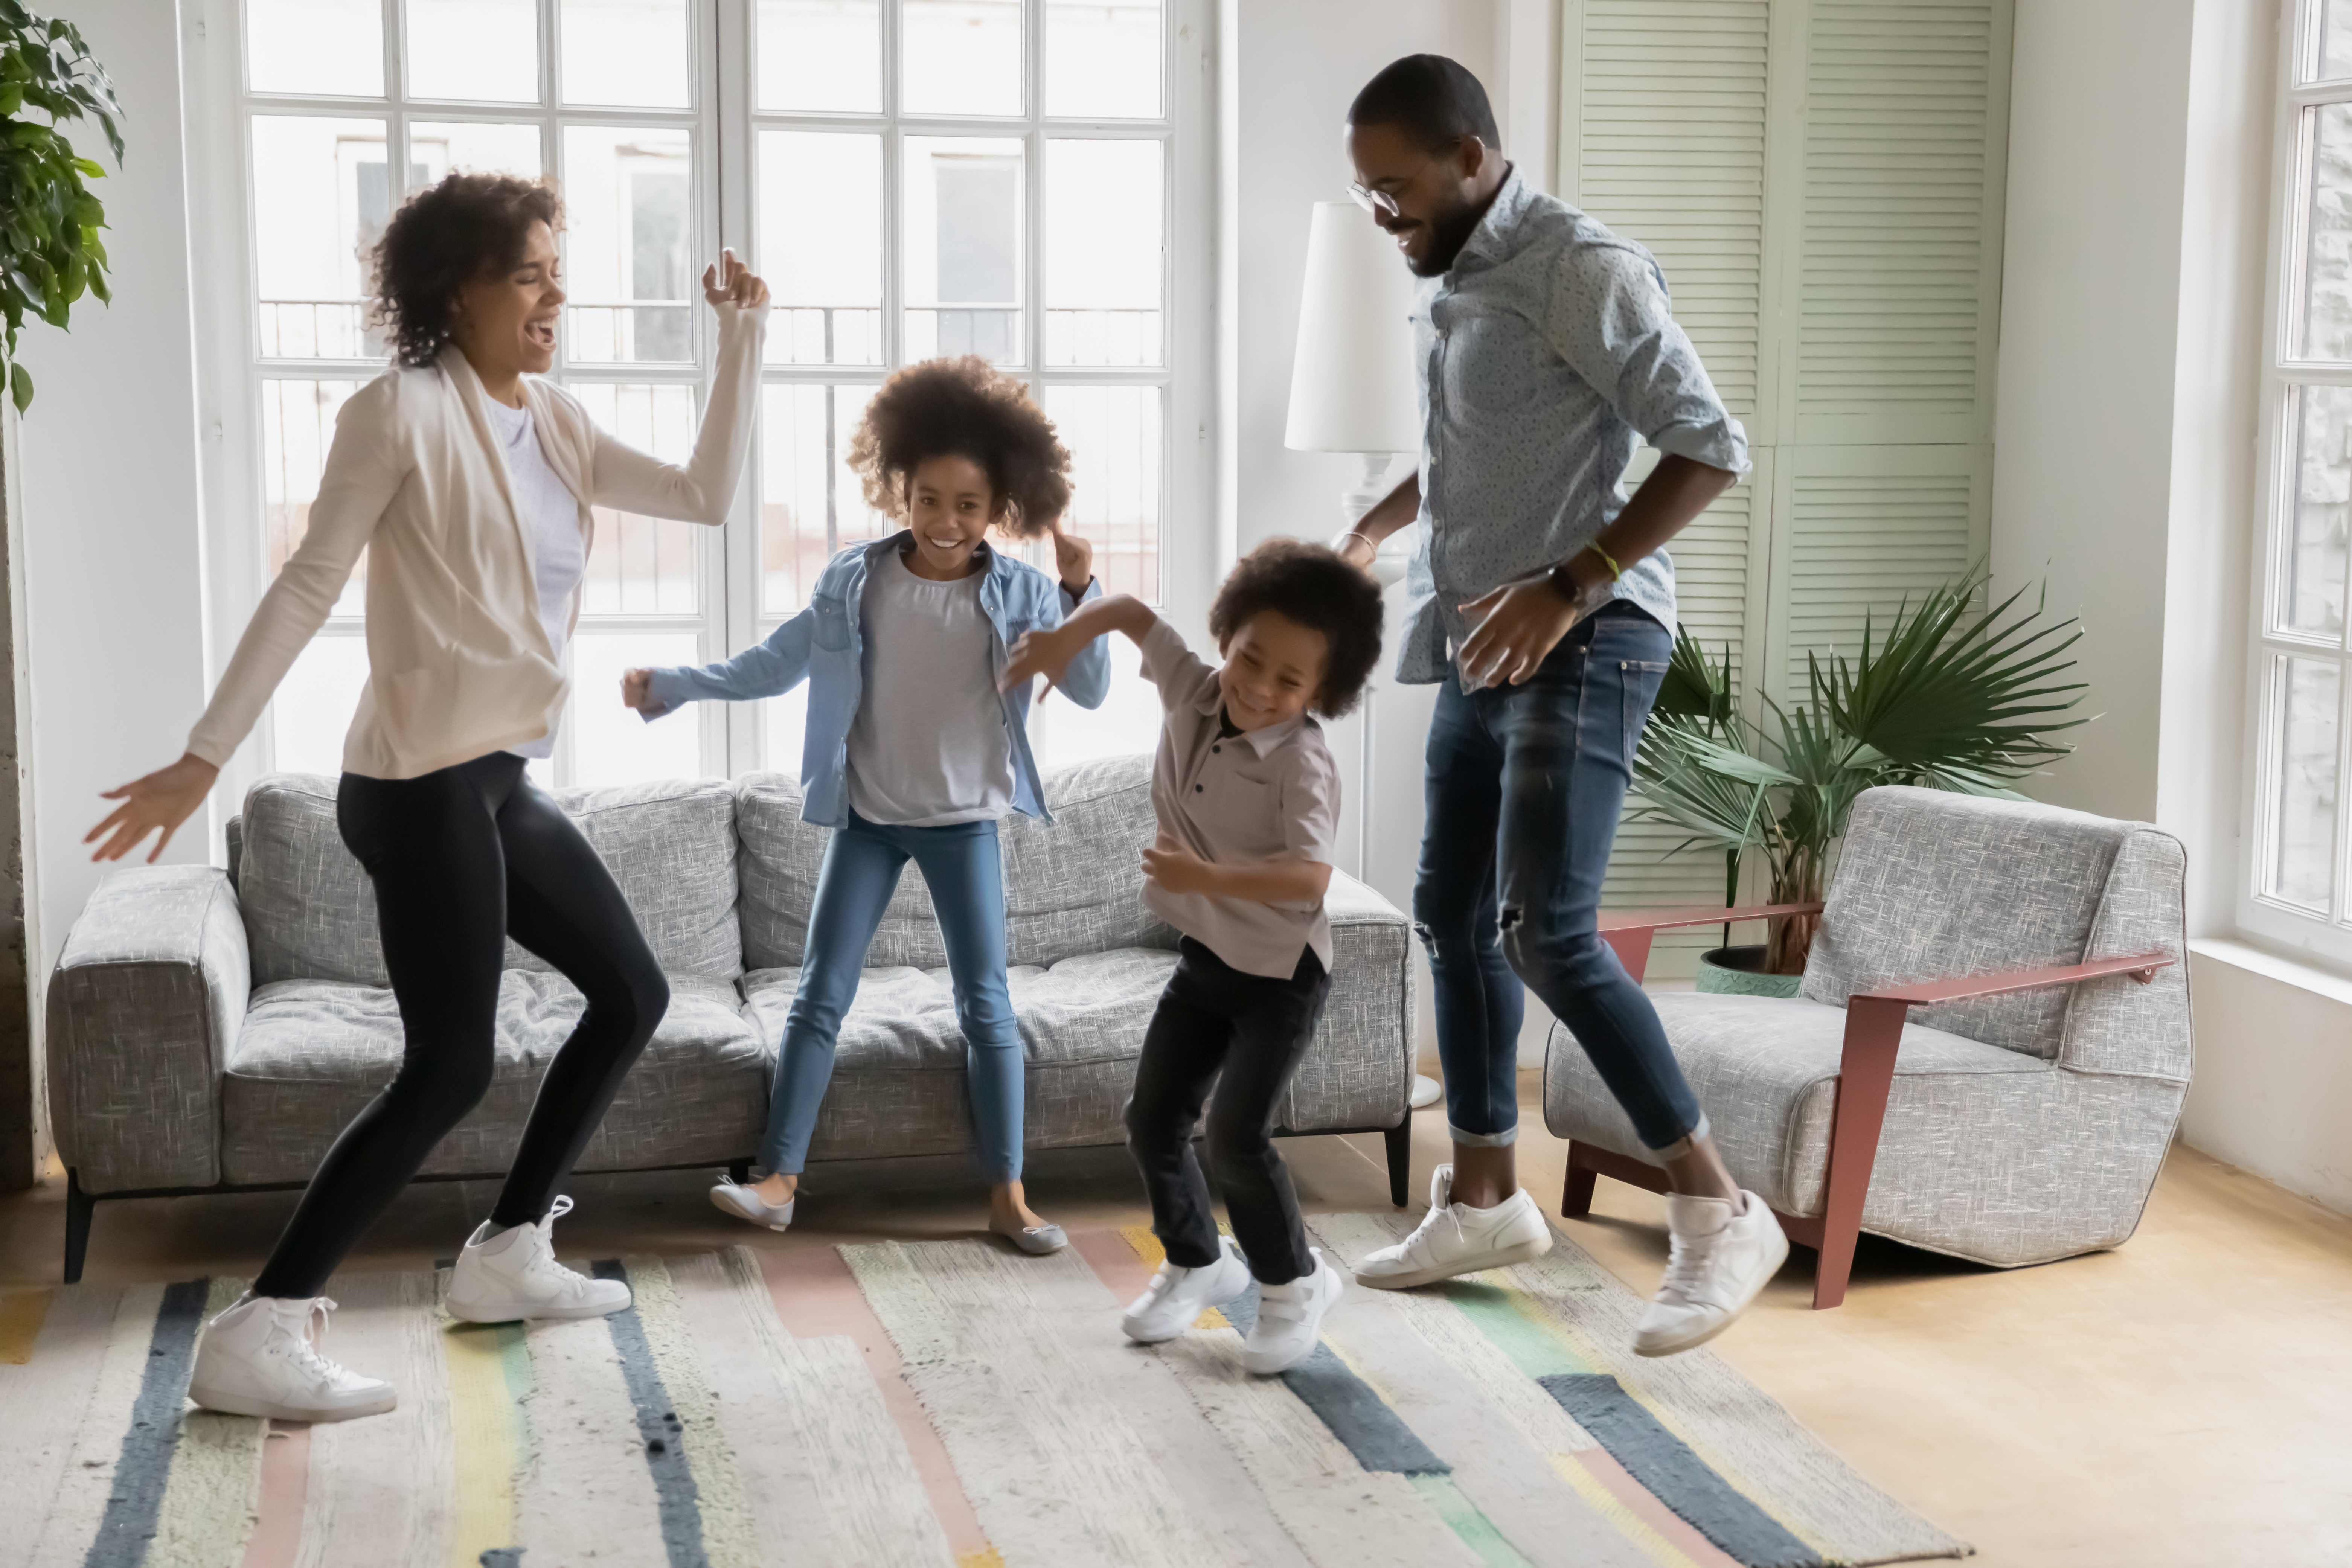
79, 1205
1399, 1150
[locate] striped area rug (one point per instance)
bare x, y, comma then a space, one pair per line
942, 1403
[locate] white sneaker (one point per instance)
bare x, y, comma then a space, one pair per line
514, 1274
1719, 1260
1177, 1296
738, 1199
261, 1357
1290, 1319
1454, 1239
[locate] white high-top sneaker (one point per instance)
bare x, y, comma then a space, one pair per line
260, 1357
1177, 1296
514, 1274
1454, 1239
1719, 1258
1290, 1319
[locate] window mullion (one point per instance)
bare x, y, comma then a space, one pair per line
1034, 193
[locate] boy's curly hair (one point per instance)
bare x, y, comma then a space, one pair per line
444, 237
963, 409
1311, 585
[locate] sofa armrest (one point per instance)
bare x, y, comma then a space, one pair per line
143, 1011
2141, 967
1359, 1070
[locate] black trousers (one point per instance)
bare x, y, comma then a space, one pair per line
461, 860
1245, 1033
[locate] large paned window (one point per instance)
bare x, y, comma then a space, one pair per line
913, 177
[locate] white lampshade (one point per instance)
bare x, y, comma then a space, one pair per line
1351, 386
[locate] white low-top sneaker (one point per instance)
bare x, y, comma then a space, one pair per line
1454, 1239
514, 1274
1177, 1296
261, 1357
1719, 1259
1290, 1319
741, 1200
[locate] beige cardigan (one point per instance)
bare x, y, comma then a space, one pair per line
458, 665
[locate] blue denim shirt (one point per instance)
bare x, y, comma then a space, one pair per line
1545, 350
821, 645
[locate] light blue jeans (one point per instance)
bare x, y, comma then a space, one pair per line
964, 870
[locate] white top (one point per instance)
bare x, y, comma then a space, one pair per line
929, 746
550, 517
1238, 800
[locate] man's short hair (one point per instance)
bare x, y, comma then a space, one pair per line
1434, 100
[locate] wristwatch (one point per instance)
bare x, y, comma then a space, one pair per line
1584, 598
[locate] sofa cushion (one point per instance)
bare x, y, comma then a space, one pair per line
1074, 885
310, 911
312, 1053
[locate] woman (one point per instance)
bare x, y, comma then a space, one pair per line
470, 487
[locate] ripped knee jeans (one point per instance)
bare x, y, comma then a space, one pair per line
1523, 788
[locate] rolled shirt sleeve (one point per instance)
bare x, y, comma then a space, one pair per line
1609, 318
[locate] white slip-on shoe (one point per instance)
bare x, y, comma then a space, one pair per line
260, 1357
1178, 1295
1454, 1239
1719, 1259
514, 1274
1036, 1240
1290, 1319
738, 1199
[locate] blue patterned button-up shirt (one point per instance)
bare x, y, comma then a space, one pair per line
1545, 352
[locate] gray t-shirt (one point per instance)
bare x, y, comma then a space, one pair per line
929, 746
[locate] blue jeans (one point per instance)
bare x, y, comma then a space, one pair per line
964, 870
1522, 795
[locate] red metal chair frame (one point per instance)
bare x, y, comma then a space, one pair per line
1874, 1030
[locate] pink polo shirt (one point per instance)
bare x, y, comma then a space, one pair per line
1268, 796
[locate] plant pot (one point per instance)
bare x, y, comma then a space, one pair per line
1740, 972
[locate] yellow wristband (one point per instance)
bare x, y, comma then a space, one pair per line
1616, 573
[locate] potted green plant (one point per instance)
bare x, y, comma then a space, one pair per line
50, 254
1951, 698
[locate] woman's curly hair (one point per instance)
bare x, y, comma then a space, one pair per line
963, 409
444, 237
1312, 586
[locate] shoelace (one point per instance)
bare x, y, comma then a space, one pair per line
309, 1337
1448, 1214
541, 1264
1687, 1259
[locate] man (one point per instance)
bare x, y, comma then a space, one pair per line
1539, 601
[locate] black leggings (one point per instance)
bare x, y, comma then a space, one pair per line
461, 860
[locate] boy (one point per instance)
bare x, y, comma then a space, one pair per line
1248, 800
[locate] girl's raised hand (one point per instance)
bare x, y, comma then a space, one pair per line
729, 282
164, 799
1073, 557
1038, 653
637, 688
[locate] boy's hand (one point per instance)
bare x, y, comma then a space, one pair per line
637, 690
1074, 556
1046, 653
1179, 870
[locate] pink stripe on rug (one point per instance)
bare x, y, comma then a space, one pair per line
277, 1535
1644, 1506
1113, 1261
817, 1295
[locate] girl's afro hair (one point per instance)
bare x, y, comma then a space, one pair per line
963, 409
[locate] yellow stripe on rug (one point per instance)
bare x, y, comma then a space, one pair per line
489, 1375
22, 1313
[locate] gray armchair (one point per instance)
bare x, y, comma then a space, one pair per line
1987, 1058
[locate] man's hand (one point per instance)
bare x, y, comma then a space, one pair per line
164, 799
1073, 557
1046, 653
1177, 871
1522, 623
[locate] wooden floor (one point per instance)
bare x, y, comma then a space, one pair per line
2184, 1400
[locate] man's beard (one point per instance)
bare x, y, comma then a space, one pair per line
1448, 233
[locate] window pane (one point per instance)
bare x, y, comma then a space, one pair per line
961, 56
629, 206
312, 707
642, 565
609, 744
810, 503
297, 425
1127, 722
2313, 599
321, 194
331, 46
2335, 41
1113, 435
2327, 257
828, 287
962, 233
1102, 60
1102, 252
625, 53
2307, 693
482, 49
467, 146
820, 55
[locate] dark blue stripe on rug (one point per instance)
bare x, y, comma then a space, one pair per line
144, 1466
679, 1500
1670, 1472
1359, 1417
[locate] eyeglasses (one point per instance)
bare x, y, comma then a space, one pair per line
1378, 202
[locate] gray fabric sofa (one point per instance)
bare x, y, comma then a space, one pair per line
213, 1031
2022, 1120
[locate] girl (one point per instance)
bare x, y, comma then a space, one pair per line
469, 485
911, 752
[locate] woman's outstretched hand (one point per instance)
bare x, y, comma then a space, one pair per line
164, 799
1073, 557
729, 282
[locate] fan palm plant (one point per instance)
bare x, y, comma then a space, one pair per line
1951, 698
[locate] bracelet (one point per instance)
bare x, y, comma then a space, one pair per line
1339, 545
1616, 573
